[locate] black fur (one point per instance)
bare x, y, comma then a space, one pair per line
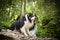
29, 16
18, 24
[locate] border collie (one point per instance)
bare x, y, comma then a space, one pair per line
24, 24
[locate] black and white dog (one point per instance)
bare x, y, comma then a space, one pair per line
25, 24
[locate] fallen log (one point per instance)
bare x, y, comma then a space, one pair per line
14, 35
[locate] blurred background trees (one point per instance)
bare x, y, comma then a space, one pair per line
48, 12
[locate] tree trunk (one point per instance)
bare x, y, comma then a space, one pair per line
25, 6
21, 9
33, 7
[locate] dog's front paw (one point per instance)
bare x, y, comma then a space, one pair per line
30, 35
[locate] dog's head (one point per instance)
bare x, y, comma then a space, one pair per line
31, 17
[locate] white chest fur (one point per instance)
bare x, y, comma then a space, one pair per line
28, 24
26, 27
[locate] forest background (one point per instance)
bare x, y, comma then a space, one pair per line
47, 11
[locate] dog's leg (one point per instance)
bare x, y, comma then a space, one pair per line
29, 32
24, 31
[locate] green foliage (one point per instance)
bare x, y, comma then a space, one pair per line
9, 11
49, 25
47, 11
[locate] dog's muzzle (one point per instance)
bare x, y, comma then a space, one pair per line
36, 18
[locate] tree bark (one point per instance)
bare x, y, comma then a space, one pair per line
21, 9
25, 6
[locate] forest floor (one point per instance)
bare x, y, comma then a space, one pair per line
14, 35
